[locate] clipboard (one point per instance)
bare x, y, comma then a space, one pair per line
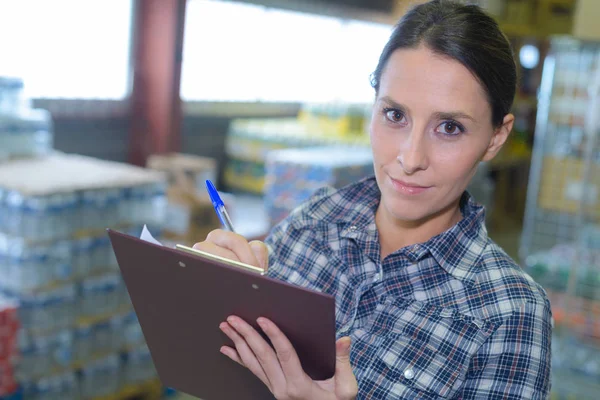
181, 296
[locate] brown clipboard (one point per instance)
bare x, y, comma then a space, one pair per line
181, 296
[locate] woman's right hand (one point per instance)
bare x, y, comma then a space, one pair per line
254, 353
235, 247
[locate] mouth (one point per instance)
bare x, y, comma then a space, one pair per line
409, 188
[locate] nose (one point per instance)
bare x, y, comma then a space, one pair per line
413, 154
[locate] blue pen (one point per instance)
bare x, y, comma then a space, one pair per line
219, 206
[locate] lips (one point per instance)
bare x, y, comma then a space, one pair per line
409, 188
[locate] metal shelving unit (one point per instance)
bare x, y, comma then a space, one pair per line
560, 245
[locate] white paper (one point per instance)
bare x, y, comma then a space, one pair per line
147, 236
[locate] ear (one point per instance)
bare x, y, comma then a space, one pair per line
499, 138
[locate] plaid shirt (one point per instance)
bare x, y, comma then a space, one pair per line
454, 317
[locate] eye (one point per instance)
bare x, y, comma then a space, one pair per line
450, 128
393, 115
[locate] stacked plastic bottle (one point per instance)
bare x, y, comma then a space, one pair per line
79, 336
24, 131
293, 175
344, 120
250, 140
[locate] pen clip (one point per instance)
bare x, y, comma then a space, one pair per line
214, 195
219, 206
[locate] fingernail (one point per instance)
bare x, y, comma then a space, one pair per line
262, 323
232, 321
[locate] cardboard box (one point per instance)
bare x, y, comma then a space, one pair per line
190, 215
556, 17
562, 187
189, 167
519, 11
585, 20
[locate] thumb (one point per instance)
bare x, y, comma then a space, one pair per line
346, 386
261, 252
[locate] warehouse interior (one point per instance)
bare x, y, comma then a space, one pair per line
114, 113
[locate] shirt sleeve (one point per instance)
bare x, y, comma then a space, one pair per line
514, 363
274, 242
285, 242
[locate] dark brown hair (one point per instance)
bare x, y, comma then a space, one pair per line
466, 34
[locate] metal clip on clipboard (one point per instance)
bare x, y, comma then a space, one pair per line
227, 261
147, 236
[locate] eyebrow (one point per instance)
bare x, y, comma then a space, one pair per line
392, 103
453, 115
438, 115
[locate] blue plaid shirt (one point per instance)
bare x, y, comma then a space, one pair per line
454, 317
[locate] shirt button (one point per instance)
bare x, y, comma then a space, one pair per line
352, 228
409, 373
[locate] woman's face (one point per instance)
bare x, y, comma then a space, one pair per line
431, 126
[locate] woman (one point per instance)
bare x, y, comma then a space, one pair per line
431, 306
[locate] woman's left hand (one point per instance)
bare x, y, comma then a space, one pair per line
280, 369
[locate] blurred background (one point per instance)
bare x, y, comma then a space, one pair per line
114, 112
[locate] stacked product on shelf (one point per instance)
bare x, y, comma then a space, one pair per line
554, 268
250, 140
24, 131
293, 175
560, 244
571, 278
79, 335
335, 119
571, 151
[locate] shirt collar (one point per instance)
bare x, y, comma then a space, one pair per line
456, 250
459, 248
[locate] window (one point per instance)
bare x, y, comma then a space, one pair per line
243, 52
67, 48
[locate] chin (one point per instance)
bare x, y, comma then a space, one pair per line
412, 218
408, 211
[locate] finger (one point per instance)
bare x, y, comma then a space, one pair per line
212, 248
246, 356
288, 358
261, 252
346, 386
263, 352
235, 243
232, 354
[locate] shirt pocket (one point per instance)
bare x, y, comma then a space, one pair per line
428, 349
